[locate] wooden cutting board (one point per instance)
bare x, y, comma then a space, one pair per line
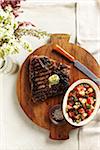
38, 113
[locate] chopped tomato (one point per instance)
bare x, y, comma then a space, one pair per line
70, 94
81, 110
80, 88
71, 104
71, 114
89, 112
90, 100
91, 94
69, 107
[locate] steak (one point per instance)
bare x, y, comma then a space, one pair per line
40, 69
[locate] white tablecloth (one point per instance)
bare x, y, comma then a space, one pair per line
17, 131
88, 27
88, 36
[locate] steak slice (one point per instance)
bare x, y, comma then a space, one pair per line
40, 69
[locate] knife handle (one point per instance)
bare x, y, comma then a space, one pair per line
60, 50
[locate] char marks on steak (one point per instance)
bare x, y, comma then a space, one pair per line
40, 69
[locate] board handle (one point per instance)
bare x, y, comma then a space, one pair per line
58, 136
59, 133
58, 38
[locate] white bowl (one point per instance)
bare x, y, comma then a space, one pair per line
87, 120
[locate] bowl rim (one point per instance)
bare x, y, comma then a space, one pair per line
95, 87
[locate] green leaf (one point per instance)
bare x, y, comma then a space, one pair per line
88, 106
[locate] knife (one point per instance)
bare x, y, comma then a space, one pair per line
77, 64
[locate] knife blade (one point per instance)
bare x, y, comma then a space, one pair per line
86, 71
77, 64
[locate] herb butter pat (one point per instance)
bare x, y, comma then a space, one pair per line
54, 79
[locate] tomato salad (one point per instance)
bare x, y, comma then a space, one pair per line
81, 102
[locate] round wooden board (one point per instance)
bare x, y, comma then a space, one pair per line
38, 113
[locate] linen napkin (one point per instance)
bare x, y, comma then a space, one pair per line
88, 36
88, 27
89, 135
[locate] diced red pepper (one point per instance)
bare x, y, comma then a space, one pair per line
81, 110
89, 112
76, 89
90, 100
91, 94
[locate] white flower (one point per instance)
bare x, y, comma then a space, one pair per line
2, 13
10, 38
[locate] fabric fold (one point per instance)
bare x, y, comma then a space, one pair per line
88, 28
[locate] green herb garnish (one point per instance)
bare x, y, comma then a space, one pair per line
54, 79
75, 99
88, 106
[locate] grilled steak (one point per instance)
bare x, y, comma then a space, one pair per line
40, 69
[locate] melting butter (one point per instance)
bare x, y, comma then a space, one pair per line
54, 79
